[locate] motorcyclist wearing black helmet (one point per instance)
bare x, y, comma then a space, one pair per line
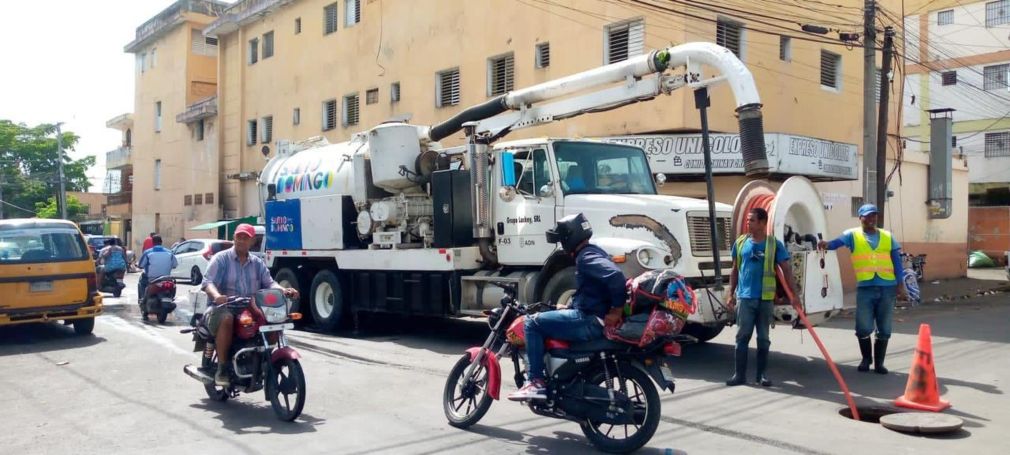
599, 298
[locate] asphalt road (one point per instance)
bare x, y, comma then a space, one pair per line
123, 391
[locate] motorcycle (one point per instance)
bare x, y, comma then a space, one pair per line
261, 357
113, 283
159, 298
600, 384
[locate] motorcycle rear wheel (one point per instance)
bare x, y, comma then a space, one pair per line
639, 387
162, 316
214, 392
473, 398
286, 378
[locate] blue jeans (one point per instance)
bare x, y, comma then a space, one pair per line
568, 325
875, 304
751, 314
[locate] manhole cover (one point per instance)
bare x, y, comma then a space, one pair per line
921, 422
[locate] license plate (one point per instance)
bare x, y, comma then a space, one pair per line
667, 373
41, 286
276, 327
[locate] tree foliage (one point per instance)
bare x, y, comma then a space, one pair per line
76, 211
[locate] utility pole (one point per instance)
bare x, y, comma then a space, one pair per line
61, 198
881, 165
869, 103
1, 195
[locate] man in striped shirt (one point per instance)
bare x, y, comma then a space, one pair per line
234, 273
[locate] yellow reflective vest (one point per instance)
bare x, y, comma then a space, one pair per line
869, 262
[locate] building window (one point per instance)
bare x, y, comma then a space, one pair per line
623, 40
945, 17
543, 55
729, 34
855, 204
949, 77
187, 200
268, 45
208, 198
140, 62
210, 41
785, 49
298, 25
394, 92
153, 54
250, 132
254, 45
330, 18
157, 116
995, 77
198, 199
329, 115
997, 13
267, 129
157, 174
831, 65
997, 144
352, 12
500, 74
350, 110
447, 88
372, 96
203, 45
296, 116
199, 129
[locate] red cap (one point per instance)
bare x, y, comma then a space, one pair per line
246, 229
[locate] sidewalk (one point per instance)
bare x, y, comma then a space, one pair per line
978, 282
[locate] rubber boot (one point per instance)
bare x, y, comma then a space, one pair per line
740, 376
762, 363
864, 348
879, 352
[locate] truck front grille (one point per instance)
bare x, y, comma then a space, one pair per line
701, 240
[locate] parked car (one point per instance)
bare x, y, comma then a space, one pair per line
194, 255
96, 243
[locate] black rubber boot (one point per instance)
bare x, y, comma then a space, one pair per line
740, 376
762, 363
879, 352
864, 348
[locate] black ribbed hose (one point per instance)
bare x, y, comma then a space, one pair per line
752, 140
490, 108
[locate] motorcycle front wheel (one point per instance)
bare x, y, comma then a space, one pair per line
466, 400
644, 406
286, 388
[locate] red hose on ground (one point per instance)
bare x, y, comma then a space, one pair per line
765, 202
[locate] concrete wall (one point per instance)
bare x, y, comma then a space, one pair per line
989, 231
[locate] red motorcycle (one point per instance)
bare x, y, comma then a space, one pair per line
603, 385
261, 357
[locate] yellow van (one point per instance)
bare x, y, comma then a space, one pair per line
46, 274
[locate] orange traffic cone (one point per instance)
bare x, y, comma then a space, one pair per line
922, 391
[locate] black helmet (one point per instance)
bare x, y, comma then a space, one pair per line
570, 232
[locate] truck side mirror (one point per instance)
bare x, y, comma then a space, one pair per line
508, 170
547, 190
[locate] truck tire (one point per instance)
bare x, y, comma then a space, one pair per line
703, 332
326, 300
84, 326
560, 288
289, 279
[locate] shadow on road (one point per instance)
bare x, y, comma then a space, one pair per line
242, 417
438, 335
35, 338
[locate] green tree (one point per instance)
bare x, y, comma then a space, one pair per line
49, 209
29, 169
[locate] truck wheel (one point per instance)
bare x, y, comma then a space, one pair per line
703, 332
84, 326
327, 300
560, 288
289, 279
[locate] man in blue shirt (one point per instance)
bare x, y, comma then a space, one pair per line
752, 284
599, 299
876, 258
156, 263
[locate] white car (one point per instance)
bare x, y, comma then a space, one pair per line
194, 255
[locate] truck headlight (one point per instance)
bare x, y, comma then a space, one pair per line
644, 256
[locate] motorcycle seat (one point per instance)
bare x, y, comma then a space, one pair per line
597, 345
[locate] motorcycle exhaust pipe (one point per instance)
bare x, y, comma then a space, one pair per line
194, 373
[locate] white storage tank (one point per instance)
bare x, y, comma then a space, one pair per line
392, 146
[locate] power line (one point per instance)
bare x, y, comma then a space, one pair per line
17, 207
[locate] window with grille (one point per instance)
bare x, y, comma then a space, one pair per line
157, 116
997, 144
268, 45
330, 18
203, 45
208, 198
157, 174
296, 116
352, 12
298, 25
329, 114
140, 62
394, 92
500, 74
785, 49
254, 48
250, 132
267, 129
623, 40
372, 96
949, 77
199, 129
543, 55
945, 17
447, 88
831, 65
997, 13
729, 34
350, 116
995, 77
198, 199
153, 56
187, 200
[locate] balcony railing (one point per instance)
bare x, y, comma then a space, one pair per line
118, 158
204, 108
242, 13
170, 17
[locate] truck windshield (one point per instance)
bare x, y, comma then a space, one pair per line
594, 168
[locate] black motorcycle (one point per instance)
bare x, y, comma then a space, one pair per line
159, 297
112, 282
603, 385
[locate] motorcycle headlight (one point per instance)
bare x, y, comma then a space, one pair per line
493, 316
275, 315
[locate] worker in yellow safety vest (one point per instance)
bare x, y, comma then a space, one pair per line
876, 258
752, 283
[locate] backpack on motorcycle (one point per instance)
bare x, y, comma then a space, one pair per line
659, 304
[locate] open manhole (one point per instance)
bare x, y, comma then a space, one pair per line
870, 414
906, 422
